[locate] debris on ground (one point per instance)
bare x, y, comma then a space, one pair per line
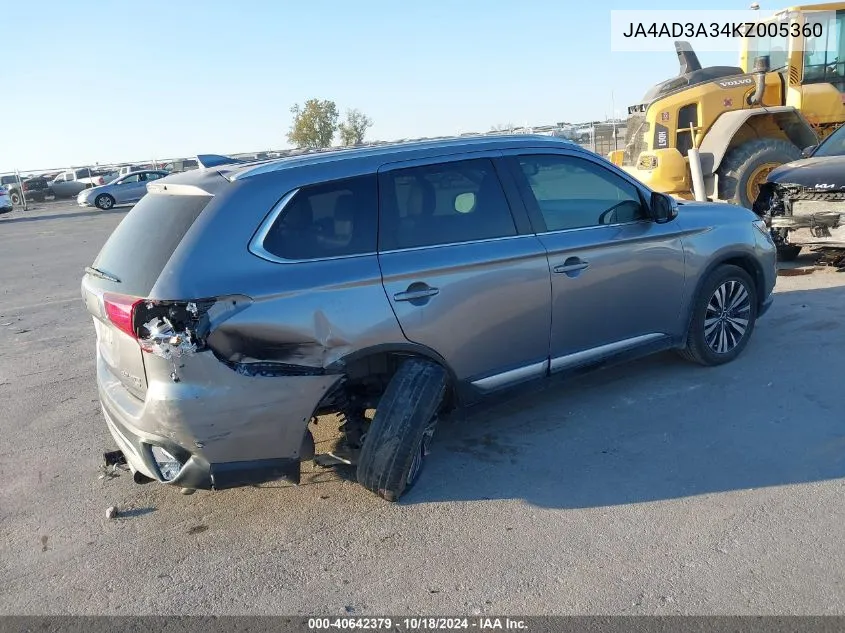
110, 471
833, 257
794, 272
111, 512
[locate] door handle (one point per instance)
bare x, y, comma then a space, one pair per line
572, 264
412, 295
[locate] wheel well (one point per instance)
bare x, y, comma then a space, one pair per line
760, 126
746, 263
733, 129
366, 375
752, 268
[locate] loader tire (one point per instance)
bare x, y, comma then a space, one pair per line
746, 167
397, 440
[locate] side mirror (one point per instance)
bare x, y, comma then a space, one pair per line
808, 151
663, 208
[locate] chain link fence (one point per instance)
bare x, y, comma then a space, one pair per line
25, 186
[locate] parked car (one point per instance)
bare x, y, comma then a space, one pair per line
35, 188
69, 183
131, 169
804, 203
233, 305
177, 166
832, 145
8, 181
126, 189
5, 200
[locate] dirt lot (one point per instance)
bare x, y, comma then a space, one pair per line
658, 488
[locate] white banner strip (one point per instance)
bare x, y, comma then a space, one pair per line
816, 33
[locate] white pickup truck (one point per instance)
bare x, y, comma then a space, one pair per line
69, 183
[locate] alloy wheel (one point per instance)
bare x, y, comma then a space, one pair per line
727, 316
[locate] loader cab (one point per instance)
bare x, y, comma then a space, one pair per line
806, 49
824, 57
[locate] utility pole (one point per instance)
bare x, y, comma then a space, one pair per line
20, 188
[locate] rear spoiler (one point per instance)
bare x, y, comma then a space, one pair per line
177, 189
214, 160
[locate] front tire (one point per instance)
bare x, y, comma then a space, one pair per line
104, 201
746, 167
397, 441
723, 317
15, 197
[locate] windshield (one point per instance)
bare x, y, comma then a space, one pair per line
824, 57
776, 48
833, 145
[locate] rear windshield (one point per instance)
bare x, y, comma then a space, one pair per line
144, 241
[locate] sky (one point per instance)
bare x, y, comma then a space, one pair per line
97, 81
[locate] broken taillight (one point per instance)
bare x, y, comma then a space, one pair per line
120, 309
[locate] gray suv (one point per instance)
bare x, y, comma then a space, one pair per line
233, 305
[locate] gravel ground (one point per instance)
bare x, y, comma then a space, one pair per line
654, 488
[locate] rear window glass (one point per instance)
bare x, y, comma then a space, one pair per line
327, 220
144, 241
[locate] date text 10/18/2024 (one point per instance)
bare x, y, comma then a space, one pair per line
418, 624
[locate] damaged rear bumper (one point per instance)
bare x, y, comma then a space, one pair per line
196, 473
225, 429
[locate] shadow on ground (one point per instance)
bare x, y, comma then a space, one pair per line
55, 216
662, 428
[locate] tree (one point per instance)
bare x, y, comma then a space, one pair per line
314, 124
352, 130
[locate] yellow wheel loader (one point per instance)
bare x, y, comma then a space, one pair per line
743, 121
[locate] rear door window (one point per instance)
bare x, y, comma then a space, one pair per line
143, 242
332, 219
446, 203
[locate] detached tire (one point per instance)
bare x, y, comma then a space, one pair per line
723, 317
745, 168
397, 440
